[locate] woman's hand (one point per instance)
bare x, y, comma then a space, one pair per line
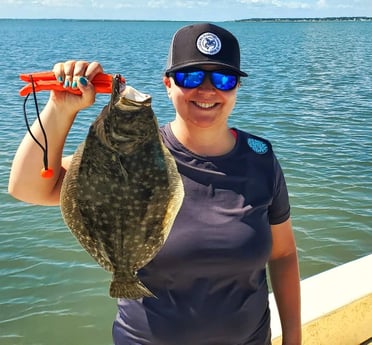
75, 74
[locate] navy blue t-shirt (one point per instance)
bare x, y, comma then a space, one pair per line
210, 276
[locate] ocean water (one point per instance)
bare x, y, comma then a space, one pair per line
309, 92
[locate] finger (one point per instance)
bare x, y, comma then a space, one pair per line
87, 89
79, 71
87, 73
92, 70
59, 72
68, 68
80, 68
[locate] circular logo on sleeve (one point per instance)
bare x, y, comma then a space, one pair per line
208, 43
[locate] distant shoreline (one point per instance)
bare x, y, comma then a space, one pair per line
321, 19
269, 20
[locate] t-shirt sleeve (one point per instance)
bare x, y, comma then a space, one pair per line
279, 210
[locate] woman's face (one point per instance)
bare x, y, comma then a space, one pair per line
204, 106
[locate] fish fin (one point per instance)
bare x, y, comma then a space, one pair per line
71, 209
131, 290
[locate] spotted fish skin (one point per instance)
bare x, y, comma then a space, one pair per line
122, 192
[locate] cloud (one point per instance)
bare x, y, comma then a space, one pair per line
321, 3
182, 9
308, 4
192, 4
46, 3
276, 3
177, 4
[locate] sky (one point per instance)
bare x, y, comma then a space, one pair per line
194, 10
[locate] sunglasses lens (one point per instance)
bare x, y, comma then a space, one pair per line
224, 82
189, 80
192, 79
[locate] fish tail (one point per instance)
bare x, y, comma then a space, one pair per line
130, 290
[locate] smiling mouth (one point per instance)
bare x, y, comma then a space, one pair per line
205, 105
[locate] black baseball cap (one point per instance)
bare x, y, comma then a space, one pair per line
201, 44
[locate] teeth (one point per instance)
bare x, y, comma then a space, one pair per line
205, 105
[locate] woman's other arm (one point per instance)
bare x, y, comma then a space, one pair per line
285, 281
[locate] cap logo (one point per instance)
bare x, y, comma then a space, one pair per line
209, 43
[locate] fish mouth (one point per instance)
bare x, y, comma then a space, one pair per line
135, 96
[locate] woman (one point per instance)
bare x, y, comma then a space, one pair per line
210, 276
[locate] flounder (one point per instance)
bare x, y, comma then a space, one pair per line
122, 192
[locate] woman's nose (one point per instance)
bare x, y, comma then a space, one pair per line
207, 85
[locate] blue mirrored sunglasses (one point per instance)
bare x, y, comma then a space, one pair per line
190, 79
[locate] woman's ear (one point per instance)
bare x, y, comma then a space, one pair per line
167, 83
